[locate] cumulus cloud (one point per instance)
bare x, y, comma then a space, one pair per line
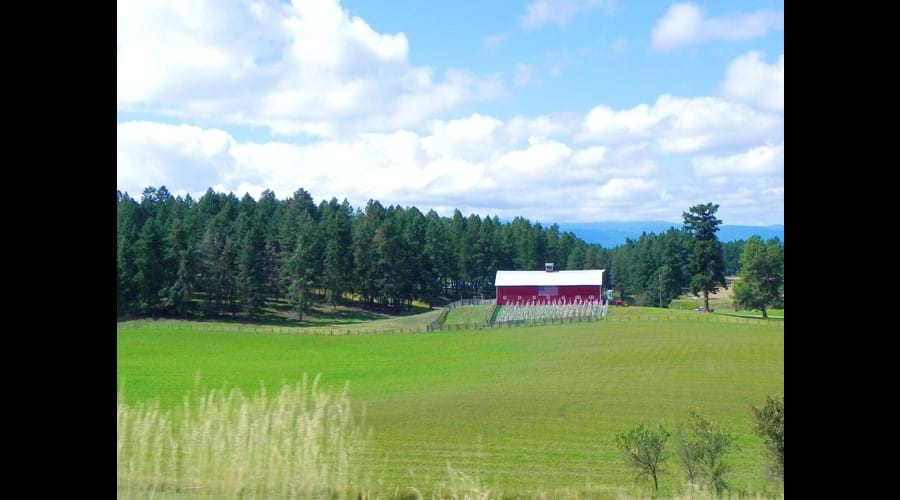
469, 163
307, 67
472, 139
625, 164
686, 24
542, 12
555, 124
184, 157
683, 125
749, 78
758, 161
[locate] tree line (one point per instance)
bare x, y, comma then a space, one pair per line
223, 255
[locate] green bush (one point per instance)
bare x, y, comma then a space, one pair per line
644, 448
770, 426
702, 450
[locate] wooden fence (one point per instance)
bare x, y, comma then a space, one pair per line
434, 326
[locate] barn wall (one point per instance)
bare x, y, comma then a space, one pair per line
511, 294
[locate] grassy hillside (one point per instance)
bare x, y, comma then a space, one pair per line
525, 408
468, 315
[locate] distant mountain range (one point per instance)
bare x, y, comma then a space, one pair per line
610, 234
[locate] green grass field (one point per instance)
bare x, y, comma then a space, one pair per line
532, 408
468, 315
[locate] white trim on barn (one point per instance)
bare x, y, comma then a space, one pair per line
543, 278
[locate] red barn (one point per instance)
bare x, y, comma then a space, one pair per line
540, 287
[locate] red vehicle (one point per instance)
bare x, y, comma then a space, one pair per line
620, 302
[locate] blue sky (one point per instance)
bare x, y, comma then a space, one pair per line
626, 110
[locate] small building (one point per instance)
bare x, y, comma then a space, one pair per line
548, 286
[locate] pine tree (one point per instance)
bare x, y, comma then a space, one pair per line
178, 296
436, 263
300, 267
251, 272
218, 262
150, 266
180, 257
365, 251
707, 263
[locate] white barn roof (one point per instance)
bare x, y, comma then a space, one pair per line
543, 278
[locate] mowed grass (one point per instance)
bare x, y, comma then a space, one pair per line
468, 314
527, 409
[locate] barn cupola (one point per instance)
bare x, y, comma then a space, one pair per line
548, 266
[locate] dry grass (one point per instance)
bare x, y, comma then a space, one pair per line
301, 443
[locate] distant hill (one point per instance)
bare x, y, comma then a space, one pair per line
610, 234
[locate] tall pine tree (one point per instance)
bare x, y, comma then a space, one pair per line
707, 262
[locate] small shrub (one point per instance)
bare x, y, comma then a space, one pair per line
644, 449
689, 456
770, 426
702, 452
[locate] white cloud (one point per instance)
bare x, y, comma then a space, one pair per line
555, 124
683, 125
750, 79
608, 164
471, 139
685, 24
305, 67
468, 163
758, 161
559, 12
625, 189
525, 77
182, 157
590, 157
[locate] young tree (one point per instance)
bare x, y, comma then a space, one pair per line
689, 453
762, 275
707, 262
703, 451
770, 427
644, 449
